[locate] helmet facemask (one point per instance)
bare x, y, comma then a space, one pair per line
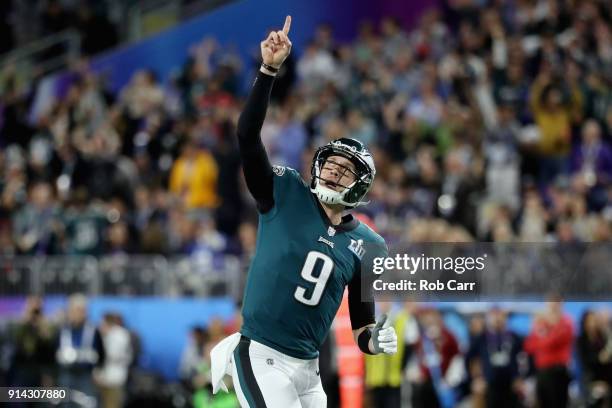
363, 174
327, 194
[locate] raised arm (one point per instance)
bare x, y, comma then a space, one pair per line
256, 165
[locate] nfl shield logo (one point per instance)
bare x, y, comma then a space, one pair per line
331, 231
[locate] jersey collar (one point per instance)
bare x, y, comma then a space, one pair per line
348, 223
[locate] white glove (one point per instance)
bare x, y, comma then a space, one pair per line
384, 340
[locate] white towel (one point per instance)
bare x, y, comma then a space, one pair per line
220, 357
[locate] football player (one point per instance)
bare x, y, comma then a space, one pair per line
308, 250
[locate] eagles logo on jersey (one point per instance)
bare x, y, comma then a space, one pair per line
278, 170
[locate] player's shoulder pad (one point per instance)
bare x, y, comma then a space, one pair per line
369, 235
364, 239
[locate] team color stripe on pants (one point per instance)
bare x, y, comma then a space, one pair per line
247, 380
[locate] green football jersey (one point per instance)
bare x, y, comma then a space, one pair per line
300, 269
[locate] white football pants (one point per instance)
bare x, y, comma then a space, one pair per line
264, 377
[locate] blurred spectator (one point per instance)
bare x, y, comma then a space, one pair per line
427, 107
503, 159
142, 95
135, 343
458, 184
39, 157
550, 344
554, 113
102, 172
195, 369
532, 224
316, 66
36, 224
496, 350
79, 348
595, 353
216, 332
192, 353
361, 127
510, 85
384, 373
13, 182
591, 164
209, 241
277, 132
439, 364
194, 177
85, 226
32, 359
111, 377
228, 183
119, 242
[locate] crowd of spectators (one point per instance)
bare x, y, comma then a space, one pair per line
68, 350
487, 123
480, 360
100, 361
558, 363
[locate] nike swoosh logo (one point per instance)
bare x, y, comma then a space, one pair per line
317, 372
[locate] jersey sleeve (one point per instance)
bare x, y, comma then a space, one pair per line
288, 185
362, 312
255, 163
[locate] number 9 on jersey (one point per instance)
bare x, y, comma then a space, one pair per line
319, 281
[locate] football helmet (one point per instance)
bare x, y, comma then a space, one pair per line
364, 172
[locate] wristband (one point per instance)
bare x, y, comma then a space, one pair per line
363, 341
269, 68
266, 71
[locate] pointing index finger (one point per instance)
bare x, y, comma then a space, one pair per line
287, 25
